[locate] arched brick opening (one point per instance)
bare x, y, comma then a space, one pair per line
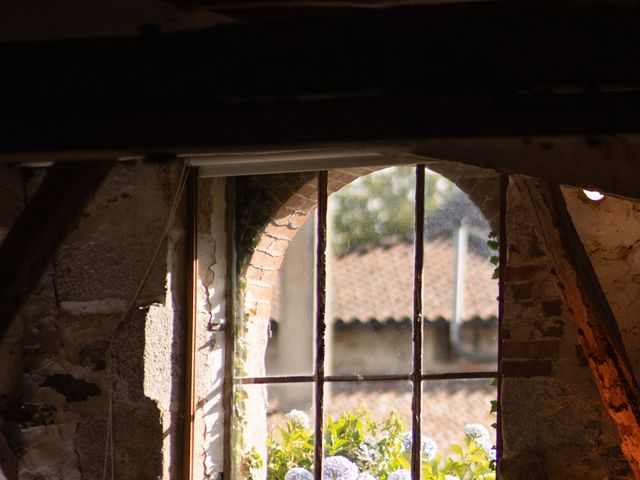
292, 204
260, 268
270, 211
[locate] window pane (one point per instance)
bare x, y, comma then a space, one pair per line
460, 303
273, 422
370, 274
290, 349
366, 425
454, 412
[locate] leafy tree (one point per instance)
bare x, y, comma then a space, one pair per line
381, 205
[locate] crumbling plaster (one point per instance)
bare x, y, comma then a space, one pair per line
73, 346
210, 323
553, 422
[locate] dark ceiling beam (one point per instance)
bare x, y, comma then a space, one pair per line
397, 51
40, 229
426, 80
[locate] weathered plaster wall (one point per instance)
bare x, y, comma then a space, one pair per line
553, 422
73, 346
210, 337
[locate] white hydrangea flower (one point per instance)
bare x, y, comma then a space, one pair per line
407, 441
298, 473
339, 468
400, 475
367, 453
451, 477
493, 454
479, 434
298, 418
365, 476
428, 446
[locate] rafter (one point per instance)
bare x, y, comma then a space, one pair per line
36, 235
598, 331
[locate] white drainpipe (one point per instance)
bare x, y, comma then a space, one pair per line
461, 242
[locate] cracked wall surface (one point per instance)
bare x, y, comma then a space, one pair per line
553, 422
210, 322
72, 352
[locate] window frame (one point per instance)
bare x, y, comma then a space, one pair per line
417, 376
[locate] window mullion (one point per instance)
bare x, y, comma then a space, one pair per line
416, 404
321, 244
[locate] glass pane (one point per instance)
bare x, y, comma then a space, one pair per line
370, 273
273, 422
455, 412
283, 343
460, 303
366, 425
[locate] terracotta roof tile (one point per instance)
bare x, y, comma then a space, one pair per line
378, 284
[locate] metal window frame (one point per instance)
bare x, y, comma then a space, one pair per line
319, 379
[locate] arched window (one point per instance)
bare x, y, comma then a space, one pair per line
381, 326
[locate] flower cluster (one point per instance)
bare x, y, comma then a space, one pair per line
400, 475
479, 434
358, 448
298, 418
368, 453
366, 476
339, 468
428, 447
298, 473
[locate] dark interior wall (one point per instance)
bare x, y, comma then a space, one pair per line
73, 358
553, 420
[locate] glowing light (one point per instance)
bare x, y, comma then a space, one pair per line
593, 195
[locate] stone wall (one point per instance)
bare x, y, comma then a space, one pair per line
71, 346
553, 423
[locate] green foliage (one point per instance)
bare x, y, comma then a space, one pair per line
494, 245
381, 205
374, 448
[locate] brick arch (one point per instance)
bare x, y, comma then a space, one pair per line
290, 199
291, 206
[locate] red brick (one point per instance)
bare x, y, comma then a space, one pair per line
552, 308
261, 259
253, 273
531, 349
309, 191
523, 273
296, 220
549, 328
526, 368
269, 276
280, 231
522, 291
301, 204
264, 309
260, 293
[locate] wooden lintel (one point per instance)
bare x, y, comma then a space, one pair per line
598, 331
41, 228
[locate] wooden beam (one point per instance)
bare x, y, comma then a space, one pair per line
598, 331
36, 235
397, 74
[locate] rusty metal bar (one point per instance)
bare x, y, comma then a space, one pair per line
502, 245
416, 404
229, 333
364, 378
190, 334
321, 280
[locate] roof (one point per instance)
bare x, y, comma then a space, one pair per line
377, 284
